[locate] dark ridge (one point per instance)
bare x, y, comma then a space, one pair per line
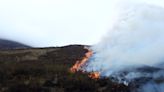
6, 44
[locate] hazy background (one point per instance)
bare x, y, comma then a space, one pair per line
58, 22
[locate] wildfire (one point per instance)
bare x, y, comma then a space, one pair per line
79, 64
94, 75
76, 67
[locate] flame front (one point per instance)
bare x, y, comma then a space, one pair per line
80, 63
77, 66
94, 75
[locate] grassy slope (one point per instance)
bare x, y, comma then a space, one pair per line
47, 70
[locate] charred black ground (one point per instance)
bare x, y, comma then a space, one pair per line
47, 70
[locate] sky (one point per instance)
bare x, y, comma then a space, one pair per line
43, 23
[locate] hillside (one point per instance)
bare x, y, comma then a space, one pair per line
47, 70
6, 44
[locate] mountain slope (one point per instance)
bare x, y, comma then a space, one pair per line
48, 70
6, 44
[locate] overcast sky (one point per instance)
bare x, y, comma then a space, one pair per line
58, 22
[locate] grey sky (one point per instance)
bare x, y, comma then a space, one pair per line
57, 22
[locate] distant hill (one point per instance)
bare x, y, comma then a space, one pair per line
6, 44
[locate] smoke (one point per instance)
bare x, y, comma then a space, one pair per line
152, 87
133, 50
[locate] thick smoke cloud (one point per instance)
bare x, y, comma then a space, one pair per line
133, 48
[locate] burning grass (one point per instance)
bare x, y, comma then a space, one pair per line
50, 72
80, 63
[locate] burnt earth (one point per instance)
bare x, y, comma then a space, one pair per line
47, 70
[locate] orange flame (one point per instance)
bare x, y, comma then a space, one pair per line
94, 75
78, 65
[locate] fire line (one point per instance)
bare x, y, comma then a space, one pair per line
80, 63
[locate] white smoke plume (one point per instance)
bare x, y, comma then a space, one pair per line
133, 48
